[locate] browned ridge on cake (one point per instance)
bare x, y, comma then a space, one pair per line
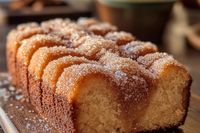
88, 77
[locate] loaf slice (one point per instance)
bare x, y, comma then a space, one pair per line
25, 52
49, 79
42, 57
135, 49
85, 90
14, 38
171, 97
171, 88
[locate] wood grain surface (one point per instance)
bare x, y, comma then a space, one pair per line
26, 120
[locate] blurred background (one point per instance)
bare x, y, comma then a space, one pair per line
173, 25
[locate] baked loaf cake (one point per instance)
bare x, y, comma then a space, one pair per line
87, 77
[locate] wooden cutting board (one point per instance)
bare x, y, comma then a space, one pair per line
19, 116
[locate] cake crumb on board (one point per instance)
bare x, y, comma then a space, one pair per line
19, 111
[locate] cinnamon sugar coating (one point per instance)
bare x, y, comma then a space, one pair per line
50, 77
25, 52
13, 43
42, 57
135, 49
149, 59
94, 46
52, 70
70, 82
27, 26
102, 28
86, 76
87, 21
55, 24
120, 38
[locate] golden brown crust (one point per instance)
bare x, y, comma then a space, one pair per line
13, 43
168, 61
27, 30
64, 95
42, 57
70, 82
51, 74
133, 70
25, 52
159, 64
63, 28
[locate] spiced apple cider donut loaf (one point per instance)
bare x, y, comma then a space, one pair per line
88, 77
